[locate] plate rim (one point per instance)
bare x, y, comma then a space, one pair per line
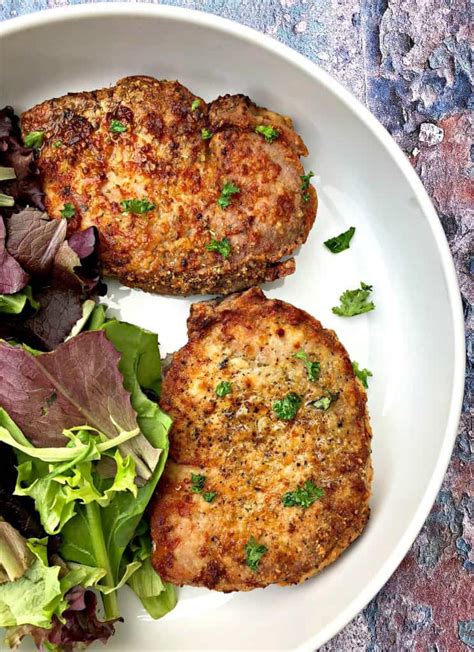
192, 16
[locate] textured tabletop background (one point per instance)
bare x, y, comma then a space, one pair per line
409, 62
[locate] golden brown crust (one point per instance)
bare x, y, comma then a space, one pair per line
249, 457
163, 158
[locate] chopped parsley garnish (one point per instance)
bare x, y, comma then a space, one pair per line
341, 242
57, 144
34, 139
223, 388
137, 206
286, 408
268, 132
303, 496
197, 487
206, 134
254, 552
117, 127
362, 374
68, 211
354, 302
197, 483
305, 181
222, 247
313, 369
325, 402
227, 191
196, 104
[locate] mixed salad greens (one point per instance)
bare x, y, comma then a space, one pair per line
83, 441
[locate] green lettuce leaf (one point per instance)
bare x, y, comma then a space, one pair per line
80, 575
157, 597
10, 434
14, 304
58, 488
15, 556
78, 383
34, 598
97, 318
140, 366
39, 597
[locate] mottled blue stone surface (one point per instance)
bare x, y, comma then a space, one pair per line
409, 61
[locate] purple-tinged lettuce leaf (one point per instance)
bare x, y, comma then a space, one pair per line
19, 511
77, 262
65, 278
13, 277
84, 242
64, 301
33, 240
80, 627
26, 188
51, 604
60, 310
77, 384
66, 263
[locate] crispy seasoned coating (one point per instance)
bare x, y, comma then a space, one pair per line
250, 458
159, 154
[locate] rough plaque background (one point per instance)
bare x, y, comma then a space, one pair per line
410, 62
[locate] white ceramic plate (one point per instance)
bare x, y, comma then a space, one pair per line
413, 341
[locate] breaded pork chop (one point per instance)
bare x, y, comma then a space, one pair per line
269, 473
188, 197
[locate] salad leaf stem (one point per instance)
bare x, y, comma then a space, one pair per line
100, 552
11, 435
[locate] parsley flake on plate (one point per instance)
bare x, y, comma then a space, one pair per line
209, 496
313, 368
286, 408
223, 388
197, 483
268, 132
362, 374
325, 402
117, 127
137, 206
222, 247
305, 181
354, 302
303, 496
340, 242
196, 104
254, 552
34, 139
206, 134
228, 189
68, 211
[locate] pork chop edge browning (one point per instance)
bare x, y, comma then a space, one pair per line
188, 197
